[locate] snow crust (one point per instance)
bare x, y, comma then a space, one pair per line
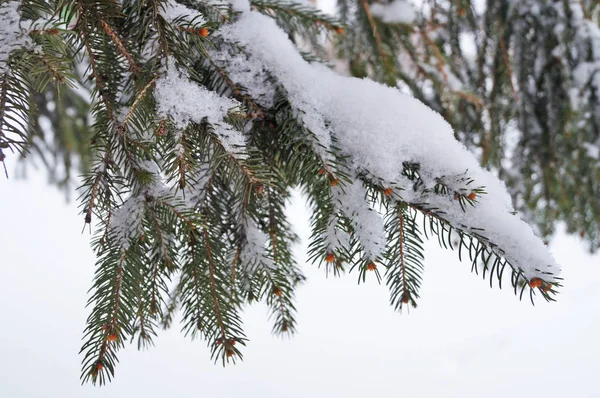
380, 128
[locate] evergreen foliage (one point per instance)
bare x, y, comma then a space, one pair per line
187, 209
517, 79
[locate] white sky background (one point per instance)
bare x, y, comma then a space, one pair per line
464, 340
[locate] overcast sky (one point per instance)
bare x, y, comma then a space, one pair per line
464, 340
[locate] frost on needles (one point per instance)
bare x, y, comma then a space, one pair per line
206, 115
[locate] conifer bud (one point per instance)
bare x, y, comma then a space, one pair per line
112, 337
330, 257
472, 196
547, 287
535, 282
371, 266
405, 298
388, 191
203, 32
162, 129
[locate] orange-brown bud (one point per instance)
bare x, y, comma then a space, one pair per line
535, 282
405, 298
547, 287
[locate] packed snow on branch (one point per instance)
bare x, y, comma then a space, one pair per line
379, 128
13, 33
252, 76
368, 225
398, 11
335, 238
184, 101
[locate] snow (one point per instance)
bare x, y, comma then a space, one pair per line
398, 11
126, 221
195, 192
175, 11
379, 128
445, 74
248, 75
253, 252
350, 199
587, 70
183, 101
593, 151
335, 238
12, 35
240, 5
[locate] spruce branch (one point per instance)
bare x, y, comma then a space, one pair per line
405, 254
204, 118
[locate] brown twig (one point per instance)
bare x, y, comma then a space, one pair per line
115, 38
